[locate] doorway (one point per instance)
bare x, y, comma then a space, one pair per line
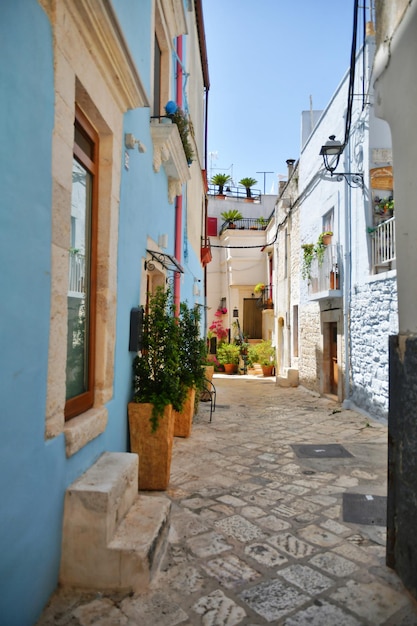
330, 369
252, 319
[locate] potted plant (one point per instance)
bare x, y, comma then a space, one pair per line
192, 355
248, 183
156, 388
259, 288
231, 216
179, 118
228, 356
264, 354
308, 256
262, 222
220, 180
384, 205
323, 240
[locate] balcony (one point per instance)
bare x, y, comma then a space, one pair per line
265, 300
237, 193
169, 152
325, 278
383, 246
246, 223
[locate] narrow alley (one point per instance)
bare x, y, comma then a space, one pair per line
278, 512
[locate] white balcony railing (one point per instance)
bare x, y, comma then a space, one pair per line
76, 280
325, 276
383, 245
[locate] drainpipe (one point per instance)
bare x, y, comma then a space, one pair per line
347, 285
178, 201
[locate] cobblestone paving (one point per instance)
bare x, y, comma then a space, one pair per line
257, 533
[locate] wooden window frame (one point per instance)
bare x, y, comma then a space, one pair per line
81, 403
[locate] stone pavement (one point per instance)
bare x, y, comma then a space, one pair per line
263, 500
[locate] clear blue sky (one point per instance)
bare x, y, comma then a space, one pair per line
266, 58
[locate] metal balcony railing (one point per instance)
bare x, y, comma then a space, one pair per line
265, 300
383, 244
76, 282
234, 192
325, 276
247, 223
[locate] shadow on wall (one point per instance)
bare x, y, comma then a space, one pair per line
365, 401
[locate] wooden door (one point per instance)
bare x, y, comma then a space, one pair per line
252, 319
334, 368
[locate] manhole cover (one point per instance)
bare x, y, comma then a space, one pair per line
365, 509
320, 451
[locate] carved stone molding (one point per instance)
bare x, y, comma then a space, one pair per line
169, 152
98, 25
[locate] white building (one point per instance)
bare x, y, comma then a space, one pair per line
238, 262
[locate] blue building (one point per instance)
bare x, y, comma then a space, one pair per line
103, 200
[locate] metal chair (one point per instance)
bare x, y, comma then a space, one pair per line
208, 394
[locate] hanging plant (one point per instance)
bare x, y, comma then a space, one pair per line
308, 256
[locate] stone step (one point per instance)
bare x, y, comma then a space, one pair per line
141, 540
112, 537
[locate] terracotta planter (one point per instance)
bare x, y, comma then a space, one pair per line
154, 449
267, 370
327, 239
230, 368
183, 420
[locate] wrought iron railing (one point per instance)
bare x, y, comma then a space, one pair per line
234, 192
325, 273
265, 300
383, 244
246, 223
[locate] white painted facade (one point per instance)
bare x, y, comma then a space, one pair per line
344, 320
238, 263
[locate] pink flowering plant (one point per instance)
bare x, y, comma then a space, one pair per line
217, 329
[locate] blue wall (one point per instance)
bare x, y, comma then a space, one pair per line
34, 473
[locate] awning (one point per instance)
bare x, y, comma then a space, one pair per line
167, 261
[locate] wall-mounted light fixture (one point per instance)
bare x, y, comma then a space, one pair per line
235, 312
131, 143
331, 153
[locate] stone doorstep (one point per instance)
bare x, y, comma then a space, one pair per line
141, 540
112, 538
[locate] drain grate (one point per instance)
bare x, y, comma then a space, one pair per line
320, 451
222, 406
365, 509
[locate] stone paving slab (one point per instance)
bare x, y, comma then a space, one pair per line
258, 534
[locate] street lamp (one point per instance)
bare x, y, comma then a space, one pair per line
331, 153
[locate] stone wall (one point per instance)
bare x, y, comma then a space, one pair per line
310, 341
373, 319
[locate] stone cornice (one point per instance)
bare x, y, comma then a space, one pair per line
169, 152
175, 20
98, 26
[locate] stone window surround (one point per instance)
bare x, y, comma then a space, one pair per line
111, 80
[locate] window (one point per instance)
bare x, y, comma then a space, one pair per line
81, 300
328, 220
